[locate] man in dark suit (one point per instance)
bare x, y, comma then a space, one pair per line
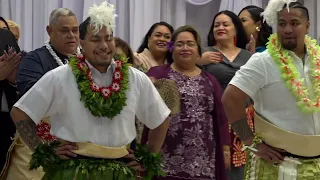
9, 62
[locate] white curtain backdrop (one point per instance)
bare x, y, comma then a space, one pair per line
134, 16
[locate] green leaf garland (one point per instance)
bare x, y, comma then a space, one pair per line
99, 105
306, 101
45, 156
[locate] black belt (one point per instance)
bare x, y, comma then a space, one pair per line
287, 154
123, 160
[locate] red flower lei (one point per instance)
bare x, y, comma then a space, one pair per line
102, 101
106, 92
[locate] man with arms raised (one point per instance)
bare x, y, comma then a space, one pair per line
63, 31
92, 104
284, 83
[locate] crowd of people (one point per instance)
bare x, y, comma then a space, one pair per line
86, 106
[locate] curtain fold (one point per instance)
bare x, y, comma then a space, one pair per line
134, 16
198, 2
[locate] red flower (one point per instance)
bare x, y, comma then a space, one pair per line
118, 76
283, 60
82, 66
106, 92
81, 57
94, 87
43, 131
115, 87
89, 75
298, 84
119, 63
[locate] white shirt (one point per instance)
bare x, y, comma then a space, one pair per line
261, 79
56, 95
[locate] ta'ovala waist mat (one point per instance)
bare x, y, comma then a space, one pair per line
297, 144
97, 151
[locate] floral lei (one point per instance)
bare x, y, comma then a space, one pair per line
290, 74
102, 101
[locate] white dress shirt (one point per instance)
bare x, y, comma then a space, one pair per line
56, 95
261, 79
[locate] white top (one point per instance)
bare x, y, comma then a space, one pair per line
56, 95
261, 79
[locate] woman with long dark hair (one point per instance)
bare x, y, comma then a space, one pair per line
256, 30
153, 50
226, 53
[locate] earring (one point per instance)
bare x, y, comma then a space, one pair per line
235, 40
257, 29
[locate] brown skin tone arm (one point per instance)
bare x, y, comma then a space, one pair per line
233, 101
157, 136
26, 128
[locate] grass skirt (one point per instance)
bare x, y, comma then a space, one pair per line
85, 168
291, 168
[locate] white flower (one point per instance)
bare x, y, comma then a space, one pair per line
116, 87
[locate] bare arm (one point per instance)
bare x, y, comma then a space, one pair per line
233, 101
157, 136
26, 128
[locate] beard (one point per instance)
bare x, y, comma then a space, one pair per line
289, 45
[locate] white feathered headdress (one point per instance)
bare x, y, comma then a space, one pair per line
102, 15
270, 14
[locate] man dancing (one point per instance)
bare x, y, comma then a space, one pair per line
63, 30
284, 83
92, 104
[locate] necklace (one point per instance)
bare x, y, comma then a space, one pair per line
190, 74
290, 73
231, 58
54, 54
102, 101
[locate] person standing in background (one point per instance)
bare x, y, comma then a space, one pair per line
225, 55
10, 59
154, 48
193, 148
257, 30
14, 28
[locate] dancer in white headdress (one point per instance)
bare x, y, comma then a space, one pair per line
284, 83
92, 103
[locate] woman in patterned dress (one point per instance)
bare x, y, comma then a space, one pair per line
193, 148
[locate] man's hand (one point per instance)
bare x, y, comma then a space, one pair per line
64, 150
8, 62
270, 154
134, 163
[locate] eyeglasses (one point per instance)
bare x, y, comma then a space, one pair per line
189, 44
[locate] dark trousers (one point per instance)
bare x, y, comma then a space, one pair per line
236, 173
7, 131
